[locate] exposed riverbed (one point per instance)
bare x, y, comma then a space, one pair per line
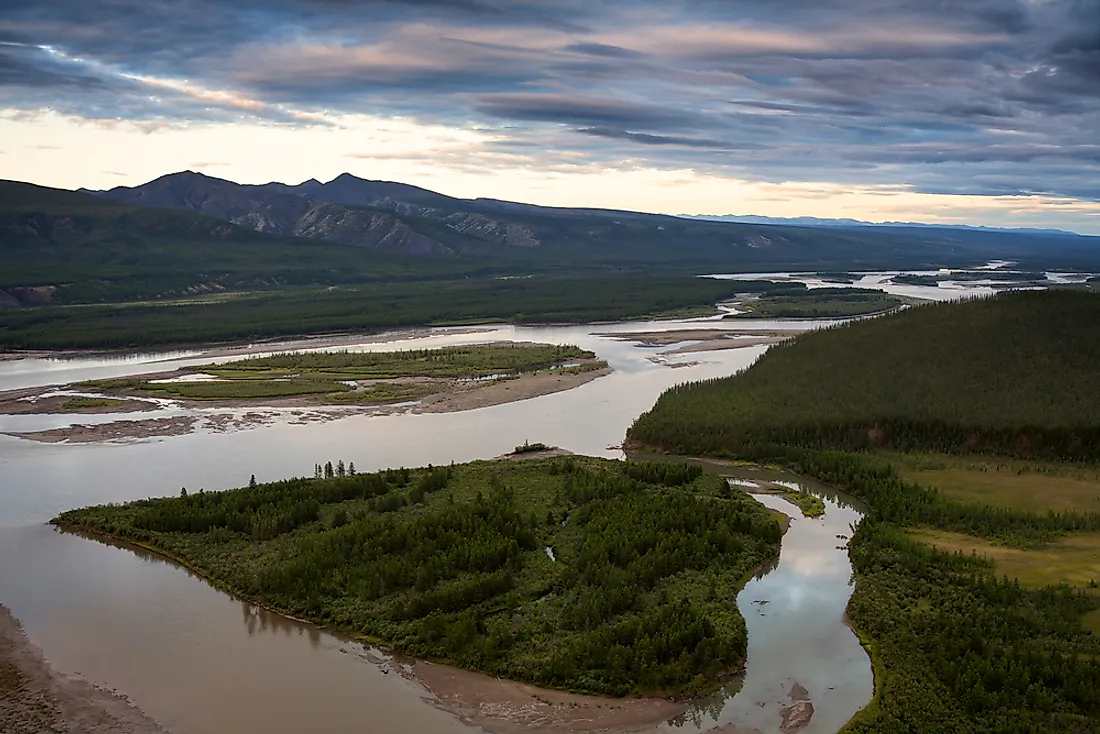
200, 662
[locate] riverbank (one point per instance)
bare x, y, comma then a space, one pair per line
501, 706
702, 340
523, 592
34, 698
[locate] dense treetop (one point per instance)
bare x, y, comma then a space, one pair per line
1015, 373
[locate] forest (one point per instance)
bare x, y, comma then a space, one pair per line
955, 646
1014, 375
570, 572
565, 298
796, 301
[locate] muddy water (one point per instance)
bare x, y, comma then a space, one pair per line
203, 663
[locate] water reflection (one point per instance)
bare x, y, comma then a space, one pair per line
794, 612
257, 619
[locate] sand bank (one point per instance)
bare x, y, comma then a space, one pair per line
35, 698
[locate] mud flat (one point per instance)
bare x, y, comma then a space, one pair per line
455, 397
35, 698
33, 402
469, 396
506, 707
114, 431
705, 340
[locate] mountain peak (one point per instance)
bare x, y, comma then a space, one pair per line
348, 178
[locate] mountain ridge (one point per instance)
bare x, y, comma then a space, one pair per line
847, 222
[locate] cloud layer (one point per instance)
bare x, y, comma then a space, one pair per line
983, 97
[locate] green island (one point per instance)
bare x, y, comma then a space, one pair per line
972, 432
1004, 276
361, 377
578, 573
796, 301
84, 403
810, 504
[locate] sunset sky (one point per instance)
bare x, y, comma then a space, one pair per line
968, 111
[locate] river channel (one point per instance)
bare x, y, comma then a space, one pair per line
200, 662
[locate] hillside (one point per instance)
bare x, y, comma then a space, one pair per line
525, 235
280, 210
65, 247
1015, 374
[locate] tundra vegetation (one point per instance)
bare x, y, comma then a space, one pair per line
335, 376
449, 563
972, 431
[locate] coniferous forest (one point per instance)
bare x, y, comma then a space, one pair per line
570, 572
955, 647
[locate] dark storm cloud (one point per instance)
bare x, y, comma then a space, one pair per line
685, 142
982, 96
602, 49
574, 110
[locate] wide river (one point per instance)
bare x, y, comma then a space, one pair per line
201, 662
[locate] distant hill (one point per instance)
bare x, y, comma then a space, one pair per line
406, 218
1015, 374
820, 222
187, 233
64, 246
283, 210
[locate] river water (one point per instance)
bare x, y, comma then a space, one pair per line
201, 662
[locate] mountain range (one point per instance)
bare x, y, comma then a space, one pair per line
398, 217
825, 222
187, 234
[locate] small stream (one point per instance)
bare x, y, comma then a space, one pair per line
795, 614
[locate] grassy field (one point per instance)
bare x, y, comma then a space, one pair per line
1005, 482
328, 374
385, 393
452, 362
80, 403
1073, 559
242, 389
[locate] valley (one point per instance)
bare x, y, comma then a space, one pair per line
245, 390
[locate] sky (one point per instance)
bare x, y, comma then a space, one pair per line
941, 111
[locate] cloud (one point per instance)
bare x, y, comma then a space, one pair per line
686, 142
986, 96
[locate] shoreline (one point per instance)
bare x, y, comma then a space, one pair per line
35, 698
216, 350
494, 705
702, 340
456, 397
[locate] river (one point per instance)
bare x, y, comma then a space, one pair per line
202, 663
